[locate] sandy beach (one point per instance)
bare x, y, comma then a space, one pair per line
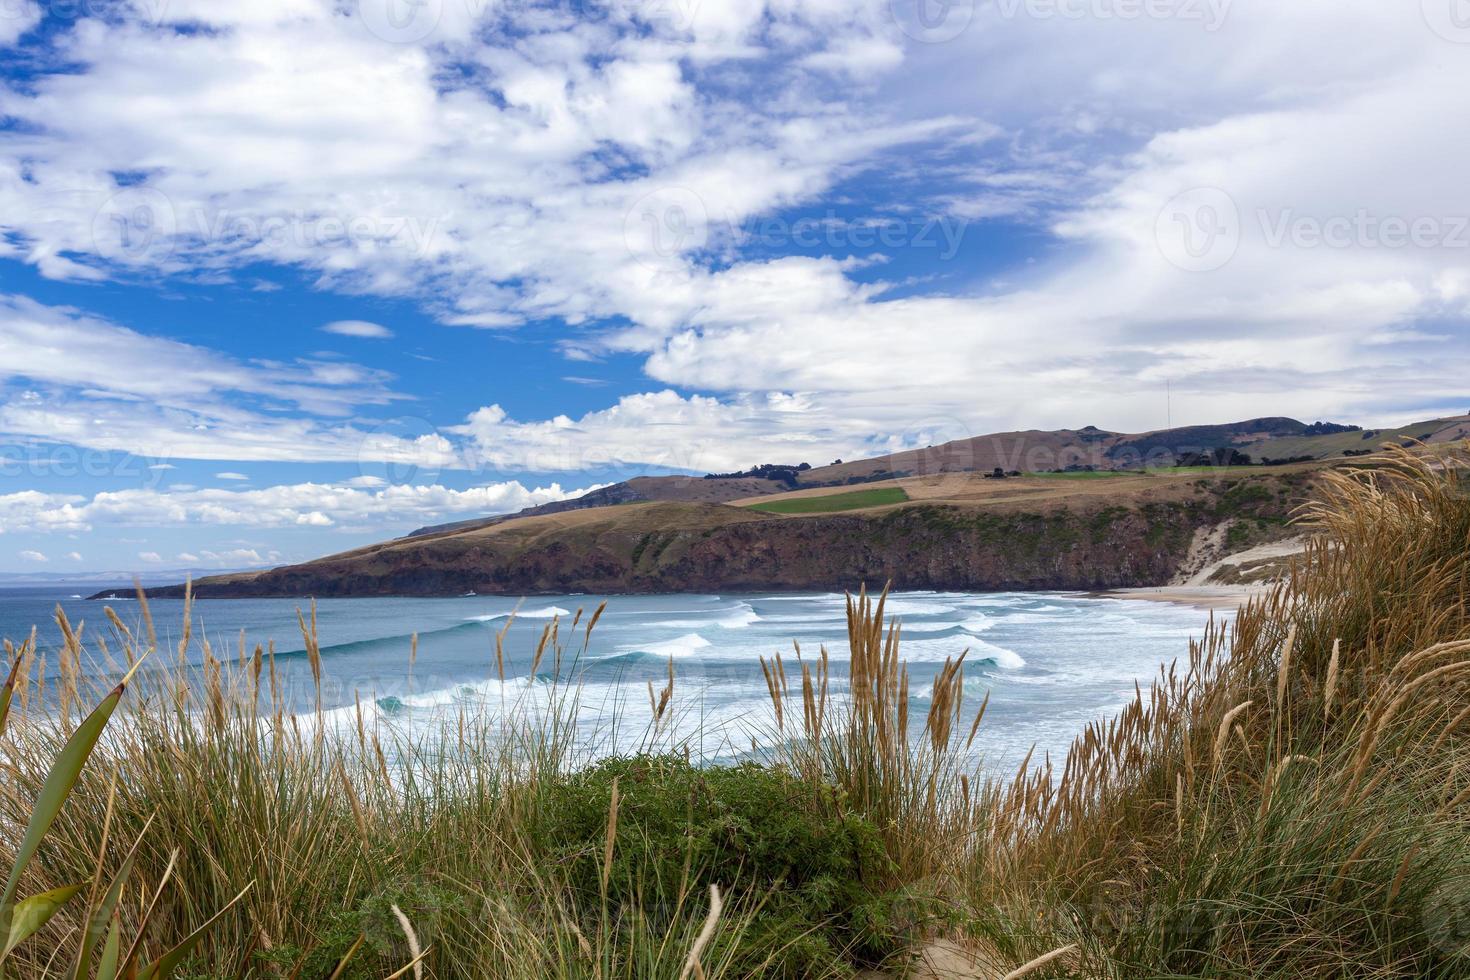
1227, 597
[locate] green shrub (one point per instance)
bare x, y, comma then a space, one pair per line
681, 828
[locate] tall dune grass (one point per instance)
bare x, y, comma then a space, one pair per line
1292, 799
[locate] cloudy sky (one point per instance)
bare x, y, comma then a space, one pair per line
282, 277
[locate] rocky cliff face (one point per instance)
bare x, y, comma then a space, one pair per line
683, 547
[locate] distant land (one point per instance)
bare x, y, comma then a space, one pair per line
156, 576
1073, 509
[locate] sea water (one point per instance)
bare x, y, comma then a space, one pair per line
1049, 662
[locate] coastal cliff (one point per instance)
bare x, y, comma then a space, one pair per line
1073, 538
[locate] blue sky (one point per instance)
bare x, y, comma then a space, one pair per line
282, 278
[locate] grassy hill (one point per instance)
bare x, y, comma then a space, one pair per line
950, 531
934, 518
1033, 452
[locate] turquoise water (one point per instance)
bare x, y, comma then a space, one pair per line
1050, 662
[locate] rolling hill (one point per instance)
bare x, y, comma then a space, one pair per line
1085, 513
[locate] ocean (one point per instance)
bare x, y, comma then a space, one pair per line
1049, 662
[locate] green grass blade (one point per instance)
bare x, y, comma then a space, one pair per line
163, 967
107, 965
65, 772
105, 909
33, 913
8, 692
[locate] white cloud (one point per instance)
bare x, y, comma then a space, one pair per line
151, 557
61, 346
241, 558
16, 18
489, 200
227, 475
358, 328
34, 556
305, 505
105, 386
667, 429
188, 557
74, 556
584, 170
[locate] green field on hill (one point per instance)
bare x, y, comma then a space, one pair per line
832, 503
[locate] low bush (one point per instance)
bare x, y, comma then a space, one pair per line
679, 828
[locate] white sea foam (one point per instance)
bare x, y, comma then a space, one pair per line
926, 627
682, 646
546, 613
939, 649
913, 607
977, 624
1000, 656
735, 618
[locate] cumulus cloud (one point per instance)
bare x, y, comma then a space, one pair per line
664, 429
1173, 167
34, 556
487, 201
304, 505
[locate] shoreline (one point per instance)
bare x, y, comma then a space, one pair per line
1212, 597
